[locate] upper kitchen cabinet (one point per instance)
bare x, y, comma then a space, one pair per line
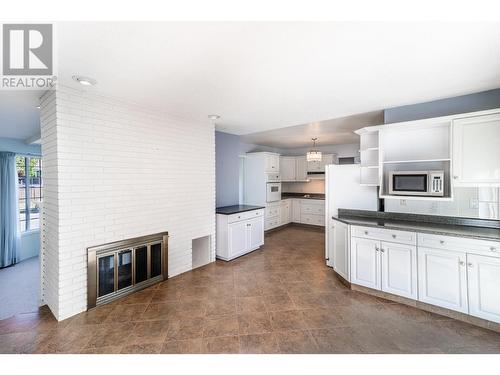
301, 168
476, 151
319, 166
288, 168
272, 162
293, 168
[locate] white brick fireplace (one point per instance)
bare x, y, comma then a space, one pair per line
116, 171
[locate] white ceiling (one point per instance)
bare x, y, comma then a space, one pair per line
263, 76
19, 117
330, 132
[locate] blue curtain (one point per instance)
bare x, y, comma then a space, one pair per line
9, 214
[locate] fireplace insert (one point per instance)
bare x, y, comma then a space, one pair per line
123, 267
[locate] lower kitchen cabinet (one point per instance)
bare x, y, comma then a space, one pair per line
239, 234
399, 269
339, 245
442, 278
365, 262
386, 266
484, 281
285, 210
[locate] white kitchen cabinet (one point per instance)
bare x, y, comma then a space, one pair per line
238, 241
272, 163
476, 151
399, 269
365, 262
319, 166
300, 168
288, 168
386, 266
339, 247
255, 233
442, 278
483, 283
239, 233
285, 209
296, 210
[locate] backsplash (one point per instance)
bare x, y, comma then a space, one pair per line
480, 203
313, 187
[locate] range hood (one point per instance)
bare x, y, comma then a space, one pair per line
319, 175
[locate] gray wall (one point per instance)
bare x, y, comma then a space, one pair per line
228, 148
466, 103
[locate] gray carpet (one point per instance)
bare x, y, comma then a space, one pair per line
20, 288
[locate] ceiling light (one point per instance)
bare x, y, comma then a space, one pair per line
86, 81
213, 117
38, 107
314, 155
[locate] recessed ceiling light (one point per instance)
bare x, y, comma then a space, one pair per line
86, 81
213, 117
37, 107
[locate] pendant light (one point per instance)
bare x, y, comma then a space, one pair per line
314, 155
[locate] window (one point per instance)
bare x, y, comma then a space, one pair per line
29, 176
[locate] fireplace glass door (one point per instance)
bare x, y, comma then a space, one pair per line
106, 275
141, 264
124, 269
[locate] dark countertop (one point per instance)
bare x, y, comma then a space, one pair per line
229, 210
482, 233
303, 196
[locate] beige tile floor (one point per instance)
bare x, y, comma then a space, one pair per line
279, 299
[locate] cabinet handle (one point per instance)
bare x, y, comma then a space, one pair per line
382, 250
493, 249
393, 236
376, 248
455, 177
470, 265
441, 242
462, 263
366, 232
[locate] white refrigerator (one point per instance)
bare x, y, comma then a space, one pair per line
343, 190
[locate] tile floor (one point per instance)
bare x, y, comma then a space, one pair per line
279, 299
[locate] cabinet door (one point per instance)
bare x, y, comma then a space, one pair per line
476, 151
442, 278
313, 166
365, 262
296, 210
340, 254
255, 231
272, 163
287, 168
237, 238
300, 168
399, 269
484, 281
285, 212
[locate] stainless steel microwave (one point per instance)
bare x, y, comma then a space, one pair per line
424, 183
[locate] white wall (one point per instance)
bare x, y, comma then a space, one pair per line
116, 171
480, 203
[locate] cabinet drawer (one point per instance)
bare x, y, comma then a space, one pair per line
388, 235
312, 219
469, 245
244, 216
312, 209
272, 211
272, 223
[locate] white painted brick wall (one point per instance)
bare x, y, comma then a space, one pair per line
116, 171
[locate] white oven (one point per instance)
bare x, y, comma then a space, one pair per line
273, 192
